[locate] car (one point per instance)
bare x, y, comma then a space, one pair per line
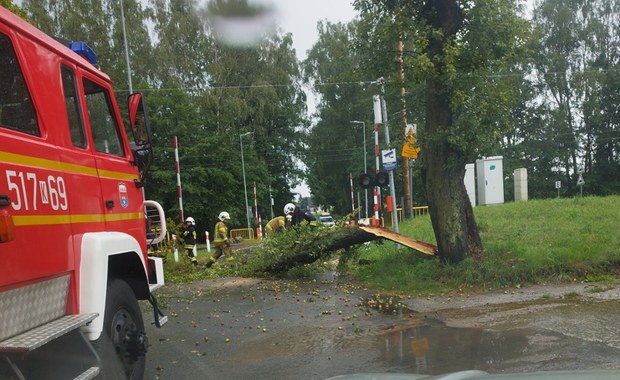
327, 220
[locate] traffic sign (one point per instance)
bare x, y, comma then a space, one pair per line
389, 159
580, 181
410, 149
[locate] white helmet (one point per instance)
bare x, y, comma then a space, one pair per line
289, 208
223, 215
191, 220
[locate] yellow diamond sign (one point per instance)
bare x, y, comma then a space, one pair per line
410, 149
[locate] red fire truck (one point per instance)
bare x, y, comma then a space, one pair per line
73, 236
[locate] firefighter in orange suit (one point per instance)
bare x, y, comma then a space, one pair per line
220, 238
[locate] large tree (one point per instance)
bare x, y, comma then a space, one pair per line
463, 52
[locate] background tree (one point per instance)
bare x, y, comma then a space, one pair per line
202, 91
575, 70
335, 68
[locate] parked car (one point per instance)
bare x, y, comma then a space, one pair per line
327, 220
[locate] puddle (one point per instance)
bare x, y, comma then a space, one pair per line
435, 349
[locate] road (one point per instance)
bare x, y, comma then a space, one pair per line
313, 329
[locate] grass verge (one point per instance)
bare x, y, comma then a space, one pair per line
539, 241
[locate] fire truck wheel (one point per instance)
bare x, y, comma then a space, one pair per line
122, 345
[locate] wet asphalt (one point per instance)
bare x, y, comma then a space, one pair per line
319, 328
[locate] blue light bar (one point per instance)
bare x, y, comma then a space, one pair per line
84, 50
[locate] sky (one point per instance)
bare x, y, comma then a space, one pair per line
299, 17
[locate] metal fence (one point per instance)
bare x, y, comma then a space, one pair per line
417, 211
245, 233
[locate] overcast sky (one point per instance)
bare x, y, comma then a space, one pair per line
301, 16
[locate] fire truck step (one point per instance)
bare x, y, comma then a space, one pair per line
43, 334
90, 373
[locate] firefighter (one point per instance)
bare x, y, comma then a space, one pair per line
220, 238
298, 216
189, 238
276, 225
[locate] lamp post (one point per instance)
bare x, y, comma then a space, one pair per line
245, 187
365, 167
126, 50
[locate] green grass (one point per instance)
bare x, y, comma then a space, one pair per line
538, 241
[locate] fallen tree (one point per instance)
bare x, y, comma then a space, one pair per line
305, 245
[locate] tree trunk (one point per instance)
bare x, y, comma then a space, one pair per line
443, 163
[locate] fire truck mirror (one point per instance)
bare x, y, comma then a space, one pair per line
140, 128
138, 120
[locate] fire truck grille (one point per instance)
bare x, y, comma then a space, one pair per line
24, 308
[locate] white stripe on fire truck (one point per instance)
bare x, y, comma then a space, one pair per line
38, 220
43, 163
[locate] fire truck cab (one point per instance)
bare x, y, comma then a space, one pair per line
73, 235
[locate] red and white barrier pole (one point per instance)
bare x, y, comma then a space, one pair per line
176, 162
260, 228
255, 204
176, 249
376, 100
376, 190
352, 194
208, 241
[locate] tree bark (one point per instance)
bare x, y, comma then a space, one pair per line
443, 163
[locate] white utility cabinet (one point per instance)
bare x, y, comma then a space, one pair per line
490, 180
520, 176
470, 183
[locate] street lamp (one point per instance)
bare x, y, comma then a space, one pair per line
365, 168
126, 49
245, 187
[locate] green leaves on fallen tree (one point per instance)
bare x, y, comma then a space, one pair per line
301, 245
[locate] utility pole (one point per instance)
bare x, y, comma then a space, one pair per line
245, 187
408, 206
381, 82
271, 202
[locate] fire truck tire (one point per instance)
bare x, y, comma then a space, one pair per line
122, 345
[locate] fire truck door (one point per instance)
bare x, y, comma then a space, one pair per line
122, 199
